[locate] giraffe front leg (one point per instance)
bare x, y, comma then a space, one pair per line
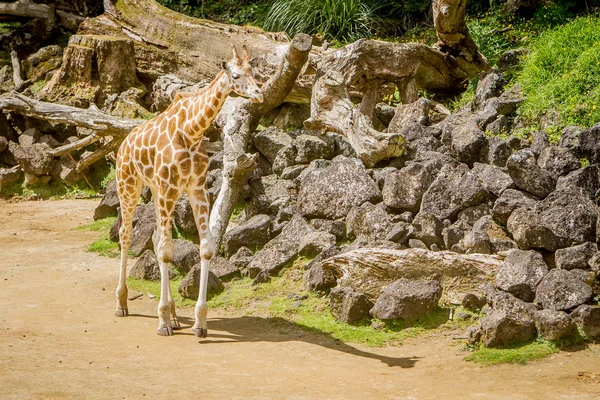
163, 243
199, 201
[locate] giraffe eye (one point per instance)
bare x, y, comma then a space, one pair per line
235, 76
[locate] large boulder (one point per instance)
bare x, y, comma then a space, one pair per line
407, 299
576, 257
224, 269
252, 233
146, 267
369, 220
332, 191
587, 318
586, 179
500, 329
465, 142
315, 242
562, 290
348, 305
589, 144
495, 151
554, 325
454, 189
428, 229
528, 176
494, 179
563, 219
269, 141
520, 274
369, 270
109, 204
558, 160
312, 147
189, 287
143, 223
509, 201
35, 159
185, 255
183, 216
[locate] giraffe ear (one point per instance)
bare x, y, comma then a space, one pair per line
245, 53
234, 52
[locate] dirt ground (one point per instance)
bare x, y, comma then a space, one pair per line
59, 339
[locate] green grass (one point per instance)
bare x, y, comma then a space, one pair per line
105, 247
99, 225
562, 73
54, 190
518, 354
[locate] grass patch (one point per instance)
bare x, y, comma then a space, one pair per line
53, 191
103, 224
517, 354
105, 247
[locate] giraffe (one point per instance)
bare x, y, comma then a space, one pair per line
167, 154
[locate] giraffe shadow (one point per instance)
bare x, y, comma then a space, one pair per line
252, 329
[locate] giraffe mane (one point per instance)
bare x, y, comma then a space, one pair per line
184, 95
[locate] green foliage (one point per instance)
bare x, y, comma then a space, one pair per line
517, 354
562, 73
109, 177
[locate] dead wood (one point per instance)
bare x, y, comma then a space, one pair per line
29, 9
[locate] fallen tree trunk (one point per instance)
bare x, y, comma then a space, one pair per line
238, 120
27, 8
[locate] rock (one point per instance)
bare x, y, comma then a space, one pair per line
511, 59
506, 302
146, 267
143, 229
570, 139
109, 204
39, 64
539, 142
332, 191
315, 243
471, 215
29, 137
528, 176
495, 151
368, 270
565, 218
454, 189
499, 126
520, 274
292, 115
477, 240
466, 142
281, 250
35, 159
65, 170
498, 329
292, 172
453, 234
558, 160
371, 221
311, 147
576, 256
242, 257
348, 305
285, 158
589, 144
252, 233
3, 143
562, 290
404, 189
270, 141
224, 269
261, 277
508, 202
472, 302
509, 100
554, 325
189, 287
411, 113
490, 85
407, 299
586, 179
336, 227
385, 112
316, 279
10, 175
400, 232
185, 255
517, 143
494, 179
587, 318
183, 216
428, 229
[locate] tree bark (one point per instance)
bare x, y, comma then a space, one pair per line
238, 120
27, 8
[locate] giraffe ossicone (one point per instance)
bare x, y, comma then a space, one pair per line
167, 154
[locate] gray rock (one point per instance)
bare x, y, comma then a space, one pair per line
285, 158
472, 302
384, 112
35, 159
10, 175
292, 172
586, 179
407, 299
499, 126
587, 318
417, 244
477, 239
575, 257
400, 232
490, 85
224, 269
565, 218
554, 325
252, 233
509, 101
453, 234
292, 115
589, 141
509, 201
262, 277
109, 204
146, 267
570, 138
332, 191
189, 287
185, 255
520, 274
494, 179
143, 229
369, 220
348, 305
242, 257
183, 216
335, 227
317, 279
29, 137
428, 229
558, 160
562, 290
511, 59
495, 151
404, 189
281, 250
471, 215
528, 176
539, 143
269, 141
454, 189
506, 302
315, 243
488, 115
499, 329
466, 142
311, 147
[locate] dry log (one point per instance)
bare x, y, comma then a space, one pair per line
27, 8
238, 120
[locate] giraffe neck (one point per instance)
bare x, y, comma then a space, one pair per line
201, 110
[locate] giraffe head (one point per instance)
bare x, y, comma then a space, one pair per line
241, 76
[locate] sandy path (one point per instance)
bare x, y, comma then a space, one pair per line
60, 340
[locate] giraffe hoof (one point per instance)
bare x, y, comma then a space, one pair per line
175, 324
200, 332
166, 331
121, 312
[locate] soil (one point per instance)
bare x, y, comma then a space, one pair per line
59, 339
